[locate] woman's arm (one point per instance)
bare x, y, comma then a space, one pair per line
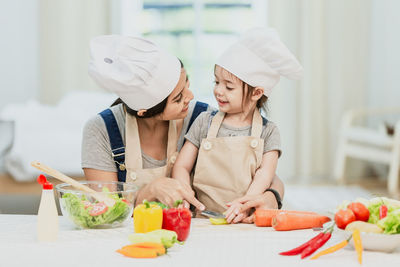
97, 175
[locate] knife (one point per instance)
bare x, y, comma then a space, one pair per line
212, 214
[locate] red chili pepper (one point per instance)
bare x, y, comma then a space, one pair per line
178, 220
300, 248
383, 211
315, 245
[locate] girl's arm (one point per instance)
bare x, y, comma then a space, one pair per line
185, 162
264, 174
262, 180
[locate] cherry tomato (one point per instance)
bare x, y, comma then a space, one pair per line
98, 209
344, 217
360, 211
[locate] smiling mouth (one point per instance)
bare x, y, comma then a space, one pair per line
220, 102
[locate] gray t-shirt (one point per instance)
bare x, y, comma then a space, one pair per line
96, 148
200, 126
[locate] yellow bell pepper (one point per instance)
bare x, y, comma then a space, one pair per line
147, 217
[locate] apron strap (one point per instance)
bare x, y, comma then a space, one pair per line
134, 152
257, 124
172, 139
215, 124
117, 145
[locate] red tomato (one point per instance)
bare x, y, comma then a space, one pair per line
98, 209
360, 211
344, 217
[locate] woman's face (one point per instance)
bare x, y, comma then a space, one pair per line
178, 101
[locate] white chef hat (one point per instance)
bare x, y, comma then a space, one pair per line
138, 71
259, 58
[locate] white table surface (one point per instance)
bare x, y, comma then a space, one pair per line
208, 245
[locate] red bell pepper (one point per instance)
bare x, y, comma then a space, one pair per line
178, 220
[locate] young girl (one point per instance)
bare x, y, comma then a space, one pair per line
236, 149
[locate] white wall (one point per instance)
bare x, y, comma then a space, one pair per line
384, 80
19, 58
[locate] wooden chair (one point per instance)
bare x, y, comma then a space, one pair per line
369, 144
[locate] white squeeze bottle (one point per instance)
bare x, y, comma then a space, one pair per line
47, 220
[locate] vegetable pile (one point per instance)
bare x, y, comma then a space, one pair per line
377, 215
90, 215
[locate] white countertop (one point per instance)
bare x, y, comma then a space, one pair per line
208, 245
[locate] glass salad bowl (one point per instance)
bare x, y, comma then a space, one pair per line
86, 210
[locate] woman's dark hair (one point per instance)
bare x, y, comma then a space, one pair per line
151, 112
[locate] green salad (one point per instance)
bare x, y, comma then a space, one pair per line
90, 215
390, 221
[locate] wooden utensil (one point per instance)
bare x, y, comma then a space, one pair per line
101, 197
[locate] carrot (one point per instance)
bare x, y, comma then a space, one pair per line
263, 217
142, 250
285, 221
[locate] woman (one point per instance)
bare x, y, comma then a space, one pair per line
149, 121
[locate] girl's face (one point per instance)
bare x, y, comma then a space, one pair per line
228, 91
178, 101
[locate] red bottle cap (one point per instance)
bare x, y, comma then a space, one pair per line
43, 181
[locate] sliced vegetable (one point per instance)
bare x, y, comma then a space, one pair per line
285, 221
143, 250
161, 236
358, 244
383, 211
364, 227
218, 221
263, 217
97, 209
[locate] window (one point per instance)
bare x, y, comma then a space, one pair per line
196, 31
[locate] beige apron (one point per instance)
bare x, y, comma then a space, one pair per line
226, 165
133, 158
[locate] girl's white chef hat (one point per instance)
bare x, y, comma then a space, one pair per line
259, 58
138, 71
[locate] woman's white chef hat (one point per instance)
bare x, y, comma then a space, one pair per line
259, 58
138, 71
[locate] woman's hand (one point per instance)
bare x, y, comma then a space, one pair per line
167, 191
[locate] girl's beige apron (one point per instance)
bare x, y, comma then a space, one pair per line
226, 165
133, 159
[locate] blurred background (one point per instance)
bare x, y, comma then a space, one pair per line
338, 124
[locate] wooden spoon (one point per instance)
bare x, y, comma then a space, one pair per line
62, 177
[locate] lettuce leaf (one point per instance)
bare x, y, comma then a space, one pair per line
391, 223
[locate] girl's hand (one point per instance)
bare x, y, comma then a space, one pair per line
266, 200
233, 214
